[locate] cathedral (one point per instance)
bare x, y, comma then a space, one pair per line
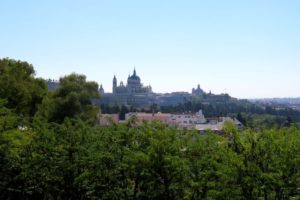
198, 91
134, 86
133, 93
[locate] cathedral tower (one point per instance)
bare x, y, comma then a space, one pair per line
114, 85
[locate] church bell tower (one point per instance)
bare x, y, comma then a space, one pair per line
114, 85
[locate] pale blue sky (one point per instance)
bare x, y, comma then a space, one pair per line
247, 48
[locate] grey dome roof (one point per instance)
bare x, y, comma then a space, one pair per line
134, 76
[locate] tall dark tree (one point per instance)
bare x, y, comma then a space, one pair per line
18, 86
73, 99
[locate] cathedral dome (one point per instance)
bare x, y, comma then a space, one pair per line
134, 77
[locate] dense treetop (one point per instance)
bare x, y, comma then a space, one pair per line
19, 88
72, 99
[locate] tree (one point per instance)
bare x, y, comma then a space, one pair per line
124, 109
19, 88
212, 168
8, 119
12, 143
241, 118
73, 99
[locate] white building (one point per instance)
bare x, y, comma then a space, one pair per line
217, 124
187, 120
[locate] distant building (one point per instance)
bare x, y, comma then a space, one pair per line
198, 90
195, 121
187, 120
52, 84
134, 86
173, 98
134, 93
217, 124
162, 117
108, 119
101, 90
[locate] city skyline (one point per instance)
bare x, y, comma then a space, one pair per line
246, 49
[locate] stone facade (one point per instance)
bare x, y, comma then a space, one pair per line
133, 93
137, 95
52, 84
195, 121
134, 86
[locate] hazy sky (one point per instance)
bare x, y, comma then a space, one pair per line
246, 48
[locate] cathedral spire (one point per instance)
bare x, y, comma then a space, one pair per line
134, 72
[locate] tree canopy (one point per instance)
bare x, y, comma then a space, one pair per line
73, 98
21, 90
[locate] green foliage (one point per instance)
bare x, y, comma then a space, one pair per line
8, 119
75, 160
212, 168
12, 144
19, 88
73, 99
264, 120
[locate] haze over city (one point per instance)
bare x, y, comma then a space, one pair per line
249, 49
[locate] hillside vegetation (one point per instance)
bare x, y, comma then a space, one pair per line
52, 148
